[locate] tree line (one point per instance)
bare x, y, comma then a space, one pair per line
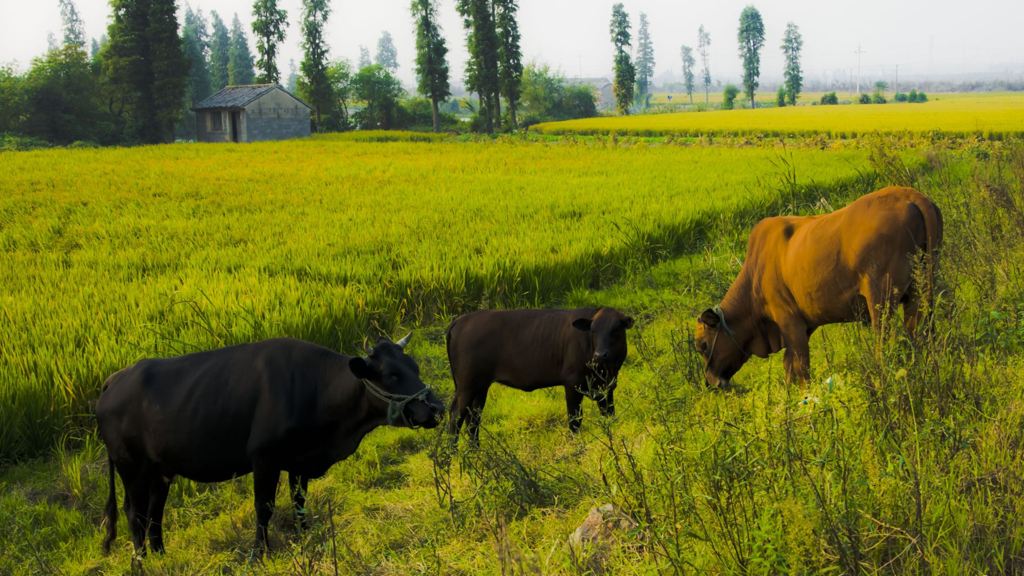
633, 80
138, 83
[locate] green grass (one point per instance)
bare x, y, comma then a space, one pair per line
896, 459
110, 255
995, 114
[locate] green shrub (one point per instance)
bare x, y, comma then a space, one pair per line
830, 98
729, 97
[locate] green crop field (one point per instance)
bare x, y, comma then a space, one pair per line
982, 114
896, 458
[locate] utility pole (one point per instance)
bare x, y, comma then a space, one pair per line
858, 53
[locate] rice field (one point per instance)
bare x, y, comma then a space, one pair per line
895, 459
109, 255
991, 114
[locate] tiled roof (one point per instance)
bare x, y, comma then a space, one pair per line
239, 96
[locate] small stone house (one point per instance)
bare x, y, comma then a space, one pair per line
251, 114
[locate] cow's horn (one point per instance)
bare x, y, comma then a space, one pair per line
404, 341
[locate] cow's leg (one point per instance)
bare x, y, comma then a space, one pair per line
136, 488
474, 414
797, 359
606, 402
158, 489
264, 479
574, 406
297, 486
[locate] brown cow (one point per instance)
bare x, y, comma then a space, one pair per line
856, 263
580, 349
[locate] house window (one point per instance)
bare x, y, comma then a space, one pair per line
216, 121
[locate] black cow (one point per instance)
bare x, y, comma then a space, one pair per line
273, 406
580, 349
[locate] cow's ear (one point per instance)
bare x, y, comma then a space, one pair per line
582, 324
628, 322
709, 318
360, 368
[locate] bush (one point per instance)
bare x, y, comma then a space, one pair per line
830, 98
864, 99
917, 97
900, 97
877, 98
547, 96
729, 97
780, 97
417, 114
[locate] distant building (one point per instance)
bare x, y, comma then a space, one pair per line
602, 87
250, 114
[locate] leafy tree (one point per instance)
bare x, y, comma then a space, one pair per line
240, 67
364, 57
268, 24
94, 49
688, 76
59, 98
195, 41
751, 37
145, 64
792, 45
339, 74
314, 84
375, 86
387, 55
431, 57
548, 96
293, 76
780, 97
482, 75
220, 52
74, 32
644, 61
625, 73
729, 97
704, 49
11, 106
510, 56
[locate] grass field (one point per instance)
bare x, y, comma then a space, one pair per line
110, 255
896, 459
960, 114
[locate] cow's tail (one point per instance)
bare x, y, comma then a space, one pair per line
933, 239
111, 510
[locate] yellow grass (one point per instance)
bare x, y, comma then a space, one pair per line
984, 114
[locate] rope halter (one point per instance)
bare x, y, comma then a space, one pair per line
723, 327
396, 402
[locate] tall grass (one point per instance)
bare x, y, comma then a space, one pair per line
110, 255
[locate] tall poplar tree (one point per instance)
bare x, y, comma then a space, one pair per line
688, 75
792, 45
387, 55
240, 66
431, 57
74, 31
482, 75
220, 52
751, 38
704, 49
644, 61
195, 41
268, 24
625, 73
510, 55
146, 66
314, 83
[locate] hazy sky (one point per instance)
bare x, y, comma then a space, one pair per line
922, 37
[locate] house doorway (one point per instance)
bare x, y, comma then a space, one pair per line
236, 119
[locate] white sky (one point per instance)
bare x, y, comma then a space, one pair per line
922, 37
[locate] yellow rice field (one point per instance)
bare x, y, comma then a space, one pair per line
974, 114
